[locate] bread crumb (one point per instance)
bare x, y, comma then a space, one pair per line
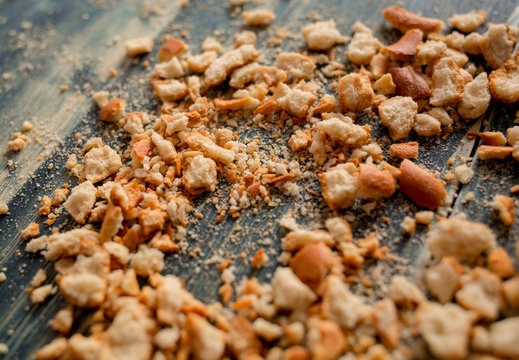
408, 225
445, 329
4, 209
258, 17
298, 66
339, 185
497, 44
460, 238
398, 114
39, 278
481, 292
468, 22
27, 126
289, 292
32, 230
322, 35
138, 46
505, 207
81, 201
476, 98
463, 174
355, 92
41, 293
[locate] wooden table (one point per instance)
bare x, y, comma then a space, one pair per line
47, 44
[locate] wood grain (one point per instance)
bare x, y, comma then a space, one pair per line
67, 44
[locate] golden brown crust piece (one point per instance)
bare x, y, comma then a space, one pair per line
486, 152
405, 48
423, 188
504, 82
172, 47
405, 20
311, 263
409, 83
375, 183
404, 150
112, 111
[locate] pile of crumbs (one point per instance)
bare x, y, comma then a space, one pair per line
133, 204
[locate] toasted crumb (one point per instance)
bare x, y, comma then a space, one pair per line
171, 48
426, 125
504, 337
170, 69
207, 342
258, 17
355, 92
471, 44
447, 83
220, 68
505, 206
460, 238
468, 22
445, 329
289, 292
481, 292
147, 261
62, 321
322, 35
476, 98
375, 183
267, 330
430, 51
398, 114
339, 185
423, 188
138, 46
500, 263
3, 277
344, 132
405, 20
27, 126
503, 83
486, 152
17, 142
41, 293
199, 63
101, 163
298, 66
497, 44
54, 350
32, 230
362, 48
463, 174
4, 209
170, 89
245, 37
39, 278
294, 101
81, 201
404, 150
405, 48
200, 175
311, 264
404, 293
409, 83
442, 280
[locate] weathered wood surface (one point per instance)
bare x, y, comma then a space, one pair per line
72, 42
